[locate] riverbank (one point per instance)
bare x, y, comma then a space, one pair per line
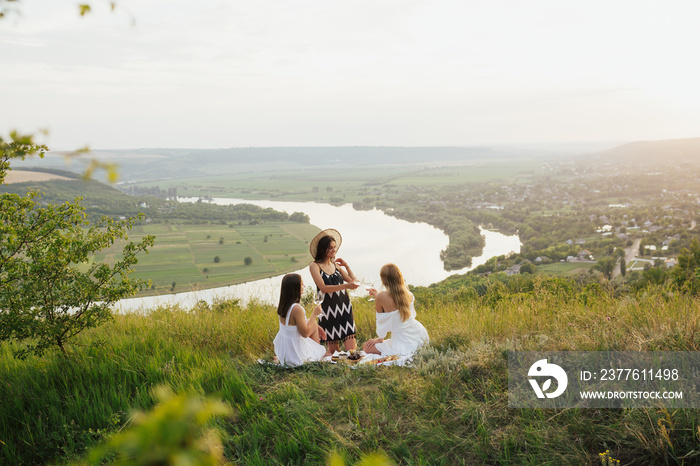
451, 407
370, 240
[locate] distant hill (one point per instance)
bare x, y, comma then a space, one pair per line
655, 153
97, 198
31, 175
152, 164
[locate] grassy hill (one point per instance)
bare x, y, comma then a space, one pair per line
655, 153
450, 407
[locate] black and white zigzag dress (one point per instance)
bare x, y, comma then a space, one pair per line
337, 320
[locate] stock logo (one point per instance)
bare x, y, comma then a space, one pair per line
542, 368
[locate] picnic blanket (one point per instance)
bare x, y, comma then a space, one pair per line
365, 360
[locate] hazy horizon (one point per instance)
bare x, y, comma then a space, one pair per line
377, 73
544, 145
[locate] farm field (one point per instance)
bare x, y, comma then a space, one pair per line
565, 268
23, 176
186, 254
321, 184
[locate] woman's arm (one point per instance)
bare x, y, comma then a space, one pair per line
315, 270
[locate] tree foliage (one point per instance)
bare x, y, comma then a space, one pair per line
606, 267
686, 275
49, 289
178, 430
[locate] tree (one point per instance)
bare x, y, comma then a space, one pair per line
248, 260
217, 259
527, 268
623, 266
299, 217
48, 292
606, 267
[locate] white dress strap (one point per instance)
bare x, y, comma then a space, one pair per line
289, 313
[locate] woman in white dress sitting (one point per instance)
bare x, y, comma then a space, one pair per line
298, 339
395, 314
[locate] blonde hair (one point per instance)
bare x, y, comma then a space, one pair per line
393, 280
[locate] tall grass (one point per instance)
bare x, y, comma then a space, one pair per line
450, 407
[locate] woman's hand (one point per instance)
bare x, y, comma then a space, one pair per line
370, 346
316, 312
351, 285
341, 262
372, 292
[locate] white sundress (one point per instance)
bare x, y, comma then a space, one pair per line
406, 337
292, 349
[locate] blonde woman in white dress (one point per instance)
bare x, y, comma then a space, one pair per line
396, 314
298, 338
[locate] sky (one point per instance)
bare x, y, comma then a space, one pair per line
219, 74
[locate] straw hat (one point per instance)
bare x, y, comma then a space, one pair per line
335, 234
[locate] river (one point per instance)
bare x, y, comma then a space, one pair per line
370, 239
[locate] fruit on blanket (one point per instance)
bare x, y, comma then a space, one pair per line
393, 357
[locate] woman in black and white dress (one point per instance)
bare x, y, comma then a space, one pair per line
333, 277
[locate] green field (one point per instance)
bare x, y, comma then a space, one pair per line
185, 254
352, 183
561, 269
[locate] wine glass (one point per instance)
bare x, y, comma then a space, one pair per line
358, 281
318, 299
368, 286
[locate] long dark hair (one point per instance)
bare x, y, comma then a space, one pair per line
290, 293
324, 244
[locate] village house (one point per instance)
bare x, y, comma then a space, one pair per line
513, 269
585, 255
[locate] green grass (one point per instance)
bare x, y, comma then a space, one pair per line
185, 254
561, 269
451, 407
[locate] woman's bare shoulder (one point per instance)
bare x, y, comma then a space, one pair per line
296, 307
296, 312
385, 300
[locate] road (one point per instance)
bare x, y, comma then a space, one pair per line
630, 253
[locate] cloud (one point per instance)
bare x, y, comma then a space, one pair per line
276, 72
